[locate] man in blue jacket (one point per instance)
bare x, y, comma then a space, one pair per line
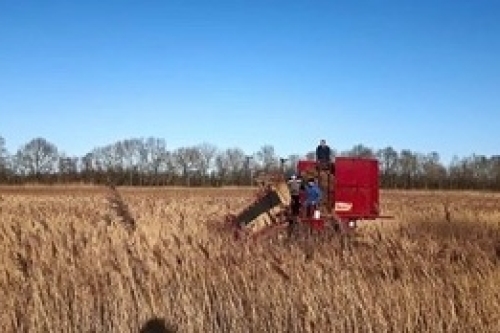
313, 197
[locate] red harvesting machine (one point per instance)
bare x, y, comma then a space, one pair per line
350, 193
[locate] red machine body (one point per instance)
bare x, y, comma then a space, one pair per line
352, 193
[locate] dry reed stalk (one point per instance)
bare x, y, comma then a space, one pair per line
65, 269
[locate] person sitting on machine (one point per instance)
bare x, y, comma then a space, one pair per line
323, 155
313, 197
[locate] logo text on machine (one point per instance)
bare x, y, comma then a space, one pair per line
343, 206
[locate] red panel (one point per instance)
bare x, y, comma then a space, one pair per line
304, 165
356, 187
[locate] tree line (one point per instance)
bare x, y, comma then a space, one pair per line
148, 162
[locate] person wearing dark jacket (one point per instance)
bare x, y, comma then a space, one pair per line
323, 156
323, 152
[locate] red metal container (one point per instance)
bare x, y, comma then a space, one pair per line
356, 189
353, 193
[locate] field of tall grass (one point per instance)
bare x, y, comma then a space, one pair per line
71, 262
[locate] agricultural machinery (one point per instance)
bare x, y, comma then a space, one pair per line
350, 193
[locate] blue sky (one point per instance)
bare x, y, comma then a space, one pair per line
422, 75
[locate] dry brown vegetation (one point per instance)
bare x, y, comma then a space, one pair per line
70, 265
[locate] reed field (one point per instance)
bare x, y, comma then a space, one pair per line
87, 259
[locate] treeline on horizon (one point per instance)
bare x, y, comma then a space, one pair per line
148, 162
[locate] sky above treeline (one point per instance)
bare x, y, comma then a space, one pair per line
419, 75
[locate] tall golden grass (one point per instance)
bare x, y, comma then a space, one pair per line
70, 265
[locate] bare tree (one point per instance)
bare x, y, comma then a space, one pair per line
87, 168
148, 162
495, 165
207, 155
237, 160
187, 159
100, 165
37, 157
291, 164
222, 166
155, 157
231, 165
129, 153
360, 150
106, 158
310, 156
267, 158
433, 173
388, 158
67, 168
409, 167
5, 168
3, 152
67, 164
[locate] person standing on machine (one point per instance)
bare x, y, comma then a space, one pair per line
323, 153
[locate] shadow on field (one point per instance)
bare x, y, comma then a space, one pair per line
157, 325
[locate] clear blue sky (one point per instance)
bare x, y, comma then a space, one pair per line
422, 75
